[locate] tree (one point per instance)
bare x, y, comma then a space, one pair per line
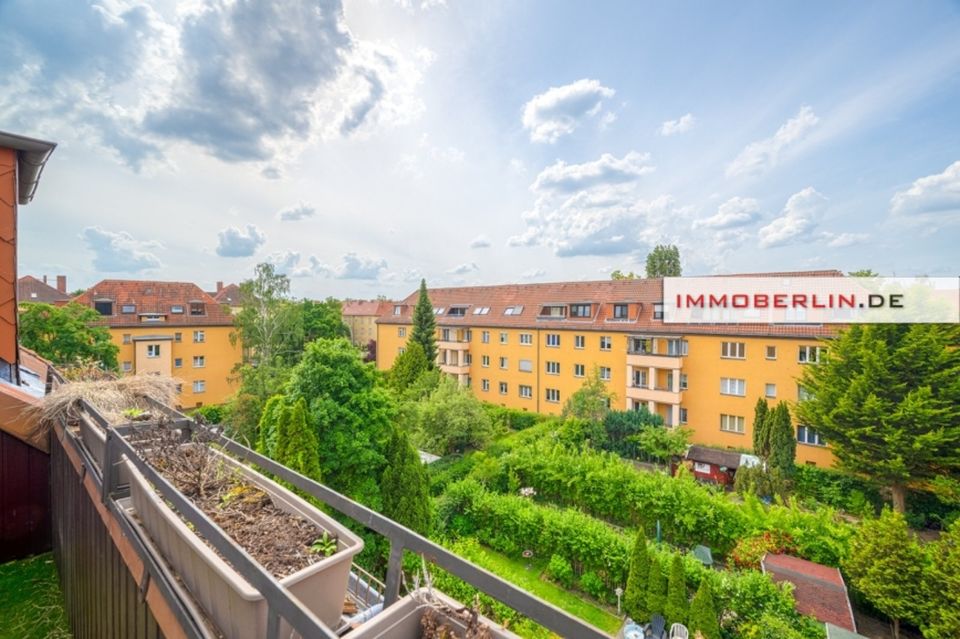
299, 449
888, 401
425, 325
864, 272
677, 602
323, 319
66, 335
591, 401
783, 441
620, 275
371, 354
664, 261
622, 428
656, 588
350, 412
887, 565
703, 612
408, 367
664, 443
761, 437
943, 617
452, 420
405, 487
635, 595
269, 324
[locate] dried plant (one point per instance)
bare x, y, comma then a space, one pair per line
439, 620
110, 397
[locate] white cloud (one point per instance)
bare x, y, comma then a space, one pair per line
933, 195
841, 240
681, 125
463, 269
560, 110
605, 171
797, 222
481, 241
533, 274
356, 267
295, 213
415, 164
284, 261
236, 242
517, 167
759, 156
119, 252
737, 211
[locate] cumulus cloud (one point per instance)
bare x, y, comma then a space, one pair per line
561, 110
236, 242
533, 274
119, 252
463, 269
797, 222
841, 240
681, 125
356, 267
737, 211
605, 171
284, 261
296, 213
764, 154
933, 195
481, 241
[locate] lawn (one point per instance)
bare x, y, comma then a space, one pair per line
516, 572
30, 601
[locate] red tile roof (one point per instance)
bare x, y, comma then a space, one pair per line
155, 297
365, 307
229, 295
640, 295
31, 289
819, 590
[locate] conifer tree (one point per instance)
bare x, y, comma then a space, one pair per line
656, 588
887, 565
267, 428
635, 595
405, 486
408, 367
676, 608
703, 612
761, 441
783, 442
299, 449
943, 617
425, 326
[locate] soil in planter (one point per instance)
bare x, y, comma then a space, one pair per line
281, 542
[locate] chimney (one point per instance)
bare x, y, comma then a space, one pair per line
44, 279
219, 286
61, 283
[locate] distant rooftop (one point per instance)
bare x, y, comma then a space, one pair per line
31, 289
140, 302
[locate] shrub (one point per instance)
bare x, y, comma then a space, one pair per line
560, 570
656, 589
511, 417
212, 414
593, 585
703, 613
635, 595
749, 552
677, 597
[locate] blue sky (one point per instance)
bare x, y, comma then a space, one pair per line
361, 146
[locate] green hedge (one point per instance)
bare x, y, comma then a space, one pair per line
512, 418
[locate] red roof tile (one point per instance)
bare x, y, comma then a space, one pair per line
819, 590
30, 289
365, 307
155, 297
229, 295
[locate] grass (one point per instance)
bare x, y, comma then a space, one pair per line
31, 605
516, 572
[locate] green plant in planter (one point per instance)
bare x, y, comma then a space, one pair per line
133, 413
325, 545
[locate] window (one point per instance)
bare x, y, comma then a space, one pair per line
128, 309
178, 337
199, 337
199, 386
731, 386
553, 368
153, 350
803, 394
104, 307
733, 350
127, 367
580, 310
605, 373
526, 366
457, 311
468, 335
658, 311
526, 339
485, 385
554, 311
485, 361
400, 350
677, 347
179, 388
481, 310
806, 435
639, 345
620, 311
198, 308
771, 352
640, 378
503, 338
526, 392
513, 310
503, 363
503, 388
553, 395
701, 467
485, 337
683, 415
731, 423
438, 310
402, 331
579, 370
445, 335
770, 390
199, 361
605, 342
811, 354
152, 317
579, 341
176, 309
683, 381
397, 309
467, 359
553, 340
127, 338
178, 362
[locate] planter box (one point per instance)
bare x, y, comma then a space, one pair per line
94, 439
238, 609
402, 620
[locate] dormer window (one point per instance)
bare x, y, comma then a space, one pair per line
149, 318
127, 309
177, 309
481, 310
658, 311
104, 307
513, 310
198, 308
457, 311
397, 309
438, 310
553, 311
620, 311
580, 310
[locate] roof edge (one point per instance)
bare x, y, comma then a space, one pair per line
32, 156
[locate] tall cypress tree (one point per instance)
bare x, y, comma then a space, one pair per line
300, 450
783, 442
761, 440
656, 588
635, 595
425, 325
676, 608
405, 487
703, 612
267, 427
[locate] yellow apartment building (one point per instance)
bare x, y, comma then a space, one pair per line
531, 346
173, 329
361, 316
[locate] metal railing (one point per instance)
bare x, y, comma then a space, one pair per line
281, 604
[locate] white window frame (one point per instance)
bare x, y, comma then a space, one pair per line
733, 386
737, 421
733, 350
504, 337
199, 337
485, 361
485, 337
579, 370
526, 339
553, 395
553, 368
199, 386
402, 331
504, 388
579, 341
153, 351
768, 351
526, 391
810, 354
504, 363
485, 385
605, 373
606, 342
202, 361
553, 340
767, 388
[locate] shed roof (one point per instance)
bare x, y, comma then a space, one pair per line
819, 590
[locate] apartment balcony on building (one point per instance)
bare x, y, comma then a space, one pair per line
454, 339
663, 386
672, 414
454, 362
648, 351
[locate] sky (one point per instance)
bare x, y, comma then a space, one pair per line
363, 145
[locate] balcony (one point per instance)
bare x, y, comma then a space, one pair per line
658, 394
455, 368
645, 359
453, 345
